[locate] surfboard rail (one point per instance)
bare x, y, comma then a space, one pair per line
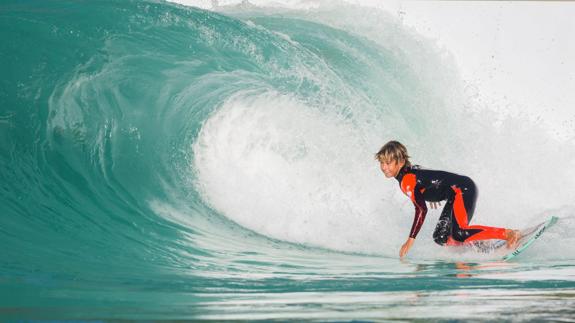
539, 229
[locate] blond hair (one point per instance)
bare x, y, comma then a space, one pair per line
393, 151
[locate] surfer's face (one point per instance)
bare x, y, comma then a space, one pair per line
391, 167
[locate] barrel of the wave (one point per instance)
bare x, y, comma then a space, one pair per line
88, 137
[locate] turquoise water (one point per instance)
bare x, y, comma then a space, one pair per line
164, 162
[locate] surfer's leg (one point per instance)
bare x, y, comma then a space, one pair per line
442, 230
469, 194
463, 208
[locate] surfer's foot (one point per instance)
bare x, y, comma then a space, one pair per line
512, 237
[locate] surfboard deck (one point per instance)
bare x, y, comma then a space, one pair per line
528, 236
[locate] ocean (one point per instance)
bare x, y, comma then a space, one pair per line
164, 162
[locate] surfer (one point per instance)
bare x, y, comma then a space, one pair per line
423, 185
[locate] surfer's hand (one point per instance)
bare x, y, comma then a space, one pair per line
434, 205
406, 246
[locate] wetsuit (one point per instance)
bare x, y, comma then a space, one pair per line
460, 194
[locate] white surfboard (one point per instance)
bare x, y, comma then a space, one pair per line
529, 236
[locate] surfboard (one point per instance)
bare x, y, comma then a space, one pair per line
528, 236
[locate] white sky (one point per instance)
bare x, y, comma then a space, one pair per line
516, 52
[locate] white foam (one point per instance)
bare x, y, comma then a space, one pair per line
295, 173
291, 172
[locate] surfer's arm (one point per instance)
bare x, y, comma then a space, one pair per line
420, 213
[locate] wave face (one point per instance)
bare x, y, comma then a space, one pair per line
160, 161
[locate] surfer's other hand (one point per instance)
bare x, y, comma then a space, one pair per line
405, 248
434, 205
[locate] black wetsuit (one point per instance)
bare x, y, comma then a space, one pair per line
460, 194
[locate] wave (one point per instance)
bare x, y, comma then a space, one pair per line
152, 135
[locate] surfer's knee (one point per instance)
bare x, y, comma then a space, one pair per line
442, 230
459, 235
440, 238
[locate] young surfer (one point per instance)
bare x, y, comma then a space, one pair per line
433, 186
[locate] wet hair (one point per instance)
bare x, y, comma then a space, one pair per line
393, 151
